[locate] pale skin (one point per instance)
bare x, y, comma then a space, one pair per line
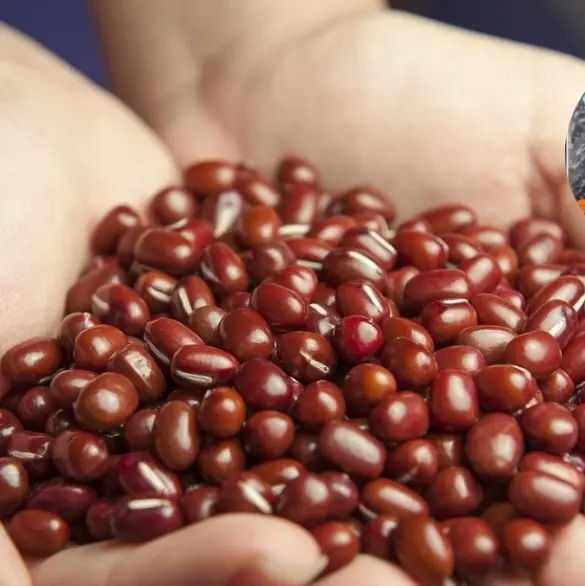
429, 113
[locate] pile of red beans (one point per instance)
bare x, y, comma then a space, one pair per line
414, 392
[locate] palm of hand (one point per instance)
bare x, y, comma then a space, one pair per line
324, 98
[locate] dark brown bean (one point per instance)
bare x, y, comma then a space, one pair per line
198, 503
483, 273
70, 501
263, 385
98, 519
35, 407
33, 450
377, 535
122, 307
266, 260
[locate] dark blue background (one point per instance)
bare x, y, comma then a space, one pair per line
65, 26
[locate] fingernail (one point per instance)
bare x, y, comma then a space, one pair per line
290, 571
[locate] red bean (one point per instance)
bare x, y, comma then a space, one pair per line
526, 229
31, 362
538, 352
453, 402
491, 341
203, 367
321, 320
33, 450
279, 472
356, 339
445, 320
70, 501
98, 520
222, 412
377, 535
80, 456
140, 474
347, 264
199, 502
320, 402
368, 198
436, 285
372, 244
453, 492
400, 417
411, 364
420, 249
549, 427
572, 362
38, 533
415, 463
365, 385
305, 449
569, 289
95, 347
306, 356
526, 543
465, 358
397, 327
223, 270
553, 466
221, 461
483, 272
268, 435
14, 485
338, 541
210, 177
305, 501
493, 311
172, 205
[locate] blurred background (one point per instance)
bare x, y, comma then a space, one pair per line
65, 26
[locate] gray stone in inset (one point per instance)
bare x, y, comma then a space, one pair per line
575, 150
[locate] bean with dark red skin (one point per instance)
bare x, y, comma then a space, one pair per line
368, 198
79, 295
205, 321
305, 501
557, 318
33, 450
398, 327
461, 248
526, 543
491, 341
69, 501
532, 279
396, 282
549, 427
453, 492
126, 244
268, 259
436, 285
573, 363
95, 347
268, 435
239, 300
106, 402
356, 339
414, 463
512, 296
172, 205
165, 250
38, 533
495, 446
554, 466
377, 534
321, 320
244, 493
138, 429
347, 264
279, 472
198, 503
492, 310
72, 324
541, 249
569, 289
122, 307
356, 452
320, 402
418, 224
222, 412
282, 308
97, 519
302, 280
448, 218
305, 449
361, 298
257, 190
344, 494
31, 362
156, 289
220, 461
488, 236
81, 456
507, 259
558, 387
223, 270
111, 228
203, 367
331, 229
300, 205
483, 272
338, 541
176, 435
372, 244
245, 334
35, 407
59, 421
445, 320
527, 228
504, 387
372, 221
400, 416
190, 293
306, 356
324, 295
222, 211
139, 473
263, 385
453, 403
66, 385
420, 249
365, 385
14, 485
538, 352
411, 364
210, 177
465, 358
475, 545
450, 448
144, 518
579, 415
422, 550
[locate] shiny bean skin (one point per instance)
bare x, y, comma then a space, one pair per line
220, 461
331, 229
282, 308
422, 550
35, 407
257, 190
344, 494
70, 501
507, 259
495, 446
210, 177
361, 298
557, 318
190, 293
80, 293
445, 320
372, 244
321, 320
461, 248
222, 211
450, 448
356, 339
222, 412
543, 497
488, 236
198, 503
400, 416
111, 228
138, 429
176, 435
156, 289
98, 519
38, 533
14, 486
554, 466
541, 249
138, 519
420, 249
364, 387
453, 492
203, 367
309, 250
347, 264
305, 501
268, 259
139, 473
300, 206
396, 282
557, 387
526, 543
503, 387
31, 362
258, 224
204, 321
573, 363
33, 450
465, 358
305, 449
106, 402
66, 385
475, 545
527, 228
268, 435
414, 463
95, 347
172, 205
245, 334
280, 471
436, 285
491, 341
453, 403
377, 535
59, 421
306, 356
411, 364
71, 325
549, 427
569, 289
223, 270
244, 493
80, 456
538, 352
356, 452
338, 541
512, 296
483, 272
398, 327
263, 385
492, 310
122, 307
531, 279
165, 250
368, 198
448, 218
320, 402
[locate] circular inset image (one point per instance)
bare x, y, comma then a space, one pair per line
575, 153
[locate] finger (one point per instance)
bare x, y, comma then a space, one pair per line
235, 550
12, 569
366, 570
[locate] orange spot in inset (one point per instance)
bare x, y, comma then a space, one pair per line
581, 204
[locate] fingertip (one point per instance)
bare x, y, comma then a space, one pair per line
13, 571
